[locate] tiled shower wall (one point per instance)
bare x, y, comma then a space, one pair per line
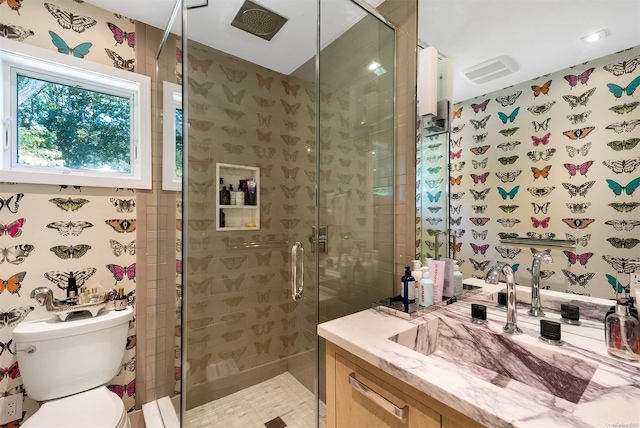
558, 157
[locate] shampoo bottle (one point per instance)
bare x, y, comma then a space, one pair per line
457, 280
425, 288
408, 286
225, 196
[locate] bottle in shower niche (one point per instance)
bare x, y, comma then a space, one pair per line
225, 195
232, 195
239, 194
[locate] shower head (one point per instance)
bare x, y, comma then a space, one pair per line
258, 20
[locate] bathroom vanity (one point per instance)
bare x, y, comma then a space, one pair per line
442, 370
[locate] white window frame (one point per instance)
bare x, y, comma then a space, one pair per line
50, 65
171, 101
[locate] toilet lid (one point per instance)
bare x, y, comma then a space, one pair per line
96, 408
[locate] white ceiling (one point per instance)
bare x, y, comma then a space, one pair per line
542, 36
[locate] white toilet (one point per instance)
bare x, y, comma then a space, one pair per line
71, 362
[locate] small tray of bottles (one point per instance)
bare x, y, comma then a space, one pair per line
238, 197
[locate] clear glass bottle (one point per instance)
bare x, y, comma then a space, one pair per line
622, 332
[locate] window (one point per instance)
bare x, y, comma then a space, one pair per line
171, 136
71, 121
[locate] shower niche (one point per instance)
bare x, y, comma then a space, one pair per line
242, 212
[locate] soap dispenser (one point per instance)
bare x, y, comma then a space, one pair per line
622, 331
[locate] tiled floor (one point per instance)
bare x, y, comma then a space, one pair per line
282, 396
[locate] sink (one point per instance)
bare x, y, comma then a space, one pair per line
504, 360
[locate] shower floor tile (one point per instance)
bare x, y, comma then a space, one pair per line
282, 396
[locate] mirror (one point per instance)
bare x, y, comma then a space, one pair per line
171, 136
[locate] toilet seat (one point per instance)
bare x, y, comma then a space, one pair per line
96, 408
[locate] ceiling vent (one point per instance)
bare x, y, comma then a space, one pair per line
491, 70
258, 20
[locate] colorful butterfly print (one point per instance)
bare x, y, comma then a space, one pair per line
544, 274
617, 91
13, 284
541, 141
629, 144
577, 223
479, 195
625, 126
574, 258
508, 222
455, 209
578, 208
479, 221
583, 240
455, 181
69, 20
509, 118
618, 69
432, 170
119, 272
478, 124
623, 264
12, 372
479, 235
573, 169
544, 172
61, 279
456, 196
480, 249
505, 235
69, 204
434, 198
16, 254
128, 366
544, 89
628, 189
79, 51
508, 208
70, 252
290, 109
121, 225
74, 228
579, 100
11, 203
537, 209
119, 248
623, 242
580, 190
541, 126
620, 225
508, 100
582, 78
121, 36
479, 150
119, 62
508, 176
14, 316
583, 151
480, 164
541, 109
547, 235
482, 178
457, 114
540, 192
509, 131
433, 184
15, 32
233, 75
624, 207
455, 155
508, 146
456, 221
129, 388
433, 220
578, 118
479, 265
612, 281
508, 252
479, 138
544, 223
459, 233
480, 107
625, 108
290, 89
9, 346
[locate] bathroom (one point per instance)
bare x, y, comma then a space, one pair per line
383, 221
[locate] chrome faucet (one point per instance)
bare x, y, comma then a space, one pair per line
493, 275
539, 257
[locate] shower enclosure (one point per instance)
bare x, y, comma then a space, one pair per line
296, 98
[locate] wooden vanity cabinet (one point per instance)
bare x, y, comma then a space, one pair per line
349, 407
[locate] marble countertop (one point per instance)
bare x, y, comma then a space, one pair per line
574, 385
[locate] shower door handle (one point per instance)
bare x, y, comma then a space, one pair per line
297, 275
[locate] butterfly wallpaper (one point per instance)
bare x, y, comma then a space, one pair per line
49, 232
555, 157
78, 29
240, 312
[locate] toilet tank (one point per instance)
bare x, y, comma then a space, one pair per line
71, 356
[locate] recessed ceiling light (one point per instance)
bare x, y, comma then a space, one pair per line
373, 65
591, 38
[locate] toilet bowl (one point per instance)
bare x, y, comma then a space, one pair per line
70, 364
